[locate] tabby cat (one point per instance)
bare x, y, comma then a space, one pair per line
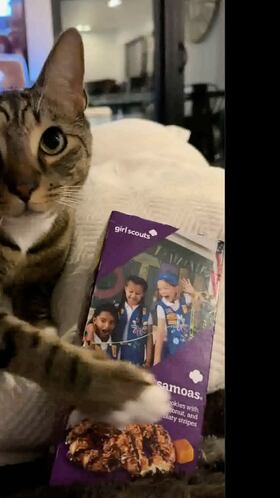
45, 154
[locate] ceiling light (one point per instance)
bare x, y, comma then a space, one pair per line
83, 28
114, 3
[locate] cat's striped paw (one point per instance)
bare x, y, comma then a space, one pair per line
152, 404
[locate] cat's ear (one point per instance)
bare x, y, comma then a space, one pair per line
63, 72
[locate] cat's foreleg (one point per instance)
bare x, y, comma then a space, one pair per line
110, 391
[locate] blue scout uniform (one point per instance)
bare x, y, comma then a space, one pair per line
178, 326
133, 351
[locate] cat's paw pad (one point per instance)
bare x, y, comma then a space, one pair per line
152, 404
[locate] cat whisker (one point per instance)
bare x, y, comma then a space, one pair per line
70, 196
74, 191
65, 204
71, 192
70, 187
69, 199
67, 188
68, 204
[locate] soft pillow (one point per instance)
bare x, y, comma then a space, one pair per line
160, 184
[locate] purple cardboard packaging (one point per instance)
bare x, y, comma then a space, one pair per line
163, 285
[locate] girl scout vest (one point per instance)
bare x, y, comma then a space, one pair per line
111, 350
134, 351
178, 326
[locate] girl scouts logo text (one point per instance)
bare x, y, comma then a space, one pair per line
135, 233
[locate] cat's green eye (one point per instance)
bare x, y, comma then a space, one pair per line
53, 141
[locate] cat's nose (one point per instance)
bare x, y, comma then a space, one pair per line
24, 190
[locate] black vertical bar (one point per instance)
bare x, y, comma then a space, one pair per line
169, 77
56, 16
174, 76
159, 60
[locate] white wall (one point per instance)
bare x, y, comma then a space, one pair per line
105, 52
206, 60
39, 31
102, 57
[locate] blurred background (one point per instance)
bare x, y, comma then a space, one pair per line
162, 60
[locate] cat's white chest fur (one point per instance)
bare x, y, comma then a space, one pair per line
26, 230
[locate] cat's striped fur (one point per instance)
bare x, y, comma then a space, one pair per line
45, 150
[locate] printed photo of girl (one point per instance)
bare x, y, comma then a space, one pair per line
134, 330
173, 311
99, 330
